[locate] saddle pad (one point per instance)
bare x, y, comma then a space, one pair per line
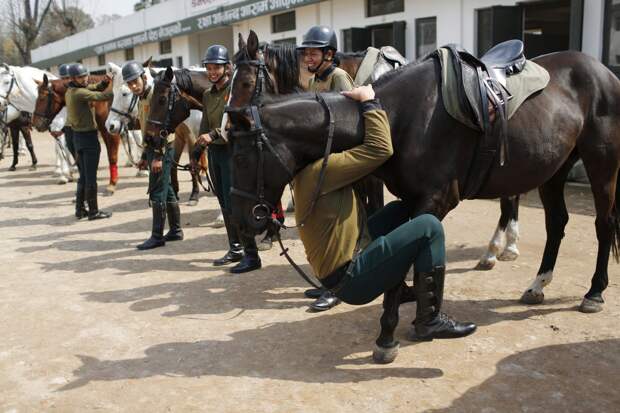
363, 75
530, 80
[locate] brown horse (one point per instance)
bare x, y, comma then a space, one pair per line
51, 99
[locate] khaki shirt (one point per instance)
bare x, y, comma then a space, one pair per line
331, 231
337, 81
80, 115
213, 103
144, 106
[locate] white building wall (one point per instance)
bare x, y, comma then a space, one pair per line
593, 17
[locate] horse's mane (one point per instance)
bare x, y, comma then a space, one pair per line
396, 72
286, 67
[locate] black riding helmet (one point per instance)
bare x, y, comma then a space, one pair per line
77, 69
320, 37
131, 71
63, 70
216, 54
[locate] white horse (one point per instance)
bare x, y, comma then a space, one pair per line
18, 92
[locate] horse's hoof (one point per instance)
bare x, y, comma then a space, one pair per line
192, 202
142, 173
110, 189
509, 254
590, 306
532, 297
33, 168
56, 173
62, 181
486, 264
383, 355
12, 168
219, 222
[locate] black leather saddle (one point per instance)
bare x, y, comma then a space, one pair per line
482, 93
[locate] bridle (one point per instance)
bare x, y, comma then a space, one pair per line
262, 209
11, 85
127, 114
48, 106
173, 92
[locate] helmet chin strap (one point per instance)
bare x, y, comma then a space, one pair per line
323, 60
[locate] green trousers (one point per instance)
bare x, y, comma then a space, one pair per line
398, 242
160, 184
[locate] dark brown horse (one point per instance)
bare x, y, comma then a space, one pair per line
20, 124
51, 99
283, 69
577, 116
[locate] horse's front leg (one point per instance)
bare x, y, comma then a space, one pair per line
386, 348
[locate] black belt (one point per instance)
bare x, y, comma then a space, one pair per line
335, 281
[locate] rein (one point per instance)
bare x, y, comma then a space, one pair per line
48, 107
127, 114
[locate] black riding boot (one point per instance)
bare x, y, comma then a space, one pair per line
251, 261
93, 208
157, 231
174, 221
235, 251
326, 301
430, 322
80, 198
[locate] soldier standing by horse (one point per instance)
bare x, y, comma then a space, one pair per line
242, 249
158, 156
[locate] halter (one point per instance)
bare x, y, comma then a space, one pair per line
48, 107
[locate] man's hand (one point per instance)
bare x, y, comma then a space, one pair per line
143, 164
361, 93
156, 166
204, 140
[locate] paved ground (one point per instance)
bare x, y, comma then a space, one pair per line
89, 323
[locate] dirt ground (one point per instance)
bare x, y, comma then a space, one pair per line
88, 323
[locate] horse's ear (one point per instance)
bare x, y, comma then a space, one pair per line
45, 80
241, 43
169, 75
252, 44
6, 67
148, 61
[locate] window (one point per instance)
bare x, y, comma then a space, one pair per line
611, 33
101, 60
165, 46
425, 36
129, 54
288, 40
380, 7
180, 62
283, 22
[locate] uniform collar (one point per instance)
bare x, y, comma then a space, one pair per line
214, 88
323, 77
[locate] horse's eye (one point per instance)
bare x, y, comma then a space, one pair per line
124, 94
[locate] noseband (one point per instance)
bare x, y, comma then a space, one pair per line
132, 106
11, 85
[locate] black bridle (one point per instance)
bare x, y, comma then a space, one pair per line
165, 128
11, 85
47, 115
127, 114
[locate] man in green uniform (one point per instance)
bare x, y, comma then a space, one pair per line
359, 259
242, 248
159, 158
80, 116
319, 48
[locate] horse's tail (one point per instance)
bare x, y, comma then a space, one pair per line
615, 223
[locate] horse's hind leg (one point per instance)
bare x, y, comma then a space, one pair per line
28, 138
112, 143
386, 348
603, 179
15, 146
556, 217
503, 244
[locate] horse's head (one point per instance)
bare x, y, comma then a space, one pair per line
7, 84
251, 78
169, 106
50, 100
124, 105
